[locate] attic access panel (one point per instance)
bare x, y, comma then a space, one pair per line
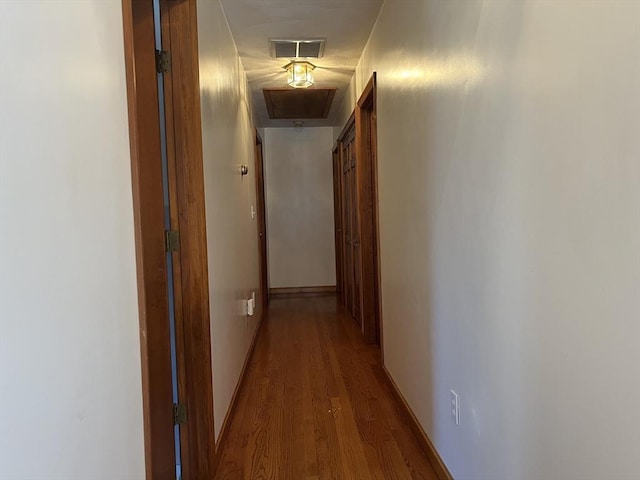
298, 103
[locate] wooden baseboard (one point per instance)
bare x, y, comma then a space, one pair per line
302, 291
226, 425
425, 442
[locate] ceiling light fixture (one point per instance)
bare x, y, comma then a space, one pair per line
300, 74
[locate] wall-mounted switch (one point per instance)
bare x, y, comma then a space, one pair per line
455, 407
251, 305
253, 212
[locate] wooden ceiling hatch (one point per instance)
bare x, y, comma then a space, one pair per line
298, 103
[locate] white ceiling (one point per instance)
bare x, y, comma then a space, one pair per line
346, 24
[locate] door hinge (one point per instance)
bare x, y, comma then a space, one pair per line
171, 240
179, 414
163, 61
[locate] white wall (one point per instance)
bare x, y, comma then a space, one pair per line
299, 191
228, 142
509, 187
70, 381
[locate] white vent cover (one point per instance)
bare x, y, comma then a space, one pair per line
313, 48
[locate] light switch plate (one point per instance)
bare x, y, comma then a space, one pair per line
455, 407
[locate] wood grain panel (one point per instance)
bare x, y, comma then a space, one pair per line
352, 297
315, 404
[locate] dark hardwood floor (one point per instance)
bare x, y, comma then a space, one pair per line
315, 404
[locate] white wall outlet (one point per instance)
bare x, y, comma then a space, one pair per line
455, 407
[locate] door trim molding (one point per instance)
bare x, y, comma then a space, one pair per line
347, 126
261, 217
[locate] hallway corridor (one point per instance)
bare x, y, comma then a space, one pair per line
315, 404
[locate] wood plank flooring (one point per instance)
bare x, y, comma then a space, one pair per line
315, 406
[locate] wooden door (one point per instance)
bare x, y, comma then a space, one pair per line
346, 227
337, 212
366, 146
350, 223
346, 222
355, 233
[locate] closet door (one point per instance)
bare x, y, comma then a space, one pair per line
357, 148
337, 212
351, 227
346, 225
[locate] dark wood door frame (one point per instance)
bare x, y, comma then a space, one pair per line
261, 217
182, 109
365, 120
366, 155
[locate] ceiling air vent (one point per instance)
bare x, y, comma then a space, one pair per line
297, 48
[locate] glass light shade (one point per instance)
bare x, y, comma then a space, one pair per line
300, 74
